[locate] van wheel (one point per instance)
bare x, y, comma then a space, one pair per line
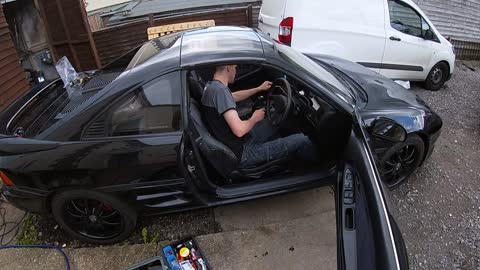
93, 217
437, 77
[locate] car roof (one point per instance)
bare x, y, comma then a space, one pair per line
203, 46
224, 43
200, 46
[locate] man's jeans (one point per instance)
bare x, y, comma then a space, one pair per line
263, 147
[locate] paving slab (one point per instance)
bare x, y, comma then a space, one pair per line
111, 257
304, 243
252, 214
32, 259
98, 258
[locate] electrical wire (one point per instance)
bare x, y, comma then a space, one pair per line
16, 226
4, 225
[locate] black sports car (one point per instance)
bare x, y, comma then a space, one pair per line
130, 139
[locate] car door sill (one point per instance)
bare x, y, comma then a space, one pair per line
274, 183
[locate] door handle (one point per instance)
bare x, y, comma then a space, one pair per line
395, 38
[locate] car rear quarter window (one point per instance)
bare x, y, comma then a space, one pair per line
46, 108
152, 108
404, 18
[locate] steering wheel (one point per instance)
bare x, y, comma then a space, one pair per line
279, 101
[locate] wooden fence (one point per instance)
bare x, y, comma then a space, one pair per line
466, 50
114, 41
13, 82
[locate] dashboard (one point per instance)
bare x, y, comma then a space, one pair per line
307, 104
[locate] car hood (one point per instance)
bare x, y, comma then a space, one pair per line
383, 93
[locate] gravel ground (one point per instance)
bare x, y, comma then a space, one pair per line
158, 228
440, 203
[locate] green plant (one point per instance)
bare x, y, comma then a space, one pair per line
145, 237
155, 238
124, 242
29, 235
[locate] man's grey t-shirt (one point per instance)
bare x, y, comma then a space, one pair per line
218, 96
216, 100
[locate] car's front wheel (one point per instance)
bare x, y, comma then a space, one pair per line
437, 77
93, 217
401, 160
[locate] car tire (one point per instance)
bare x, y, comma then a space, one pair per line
437, 77
409, 154
93, 217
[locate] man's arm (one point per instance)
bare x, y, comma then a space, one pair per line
241, 127
244, 94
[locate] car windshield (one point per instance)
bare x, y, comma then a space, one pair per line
309, 66
143, 53
152, 48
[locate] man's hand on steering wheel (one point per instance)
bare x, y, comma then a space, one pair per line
265, 86
279, 101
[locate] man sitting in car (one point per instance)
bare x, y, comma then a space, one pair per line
254, 141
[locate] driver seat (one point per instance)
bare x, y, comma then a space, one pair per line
220, 156
196, 85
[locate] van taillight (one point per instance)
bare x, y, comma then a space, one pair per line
285, 31
4, 178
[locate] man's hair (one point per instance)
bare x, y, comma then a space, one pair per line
220, 68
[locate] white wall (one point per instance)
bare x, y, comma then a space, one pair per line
97, 4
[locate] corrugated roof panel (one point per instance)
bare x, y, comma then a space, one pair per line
143, 8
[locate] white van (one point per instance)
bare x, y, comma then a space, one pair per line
392, 37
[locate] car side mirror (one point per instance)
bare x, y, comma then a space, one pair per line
386, 128
429, 35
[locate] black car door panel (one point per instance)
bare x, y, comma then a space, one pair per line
366, 236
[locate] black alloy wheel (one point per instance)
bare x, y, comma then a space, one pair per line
93, 217
400, 161
437, 77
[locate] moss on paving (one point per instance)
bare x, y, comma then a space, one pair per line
29, 234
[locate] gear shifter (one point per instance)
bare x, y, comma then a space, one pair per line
260, 103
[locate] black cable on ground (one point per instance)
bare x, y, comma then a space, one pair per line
65, 258
16, 226
4, 225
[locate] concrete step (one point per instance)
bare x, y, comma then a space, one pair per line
302, 243
291, 231
252, 214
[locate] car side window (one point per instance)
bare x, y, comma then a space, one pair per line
152, 108
404, 18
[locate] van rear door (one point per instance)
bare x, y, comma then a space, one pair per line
271, 14
349, 29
